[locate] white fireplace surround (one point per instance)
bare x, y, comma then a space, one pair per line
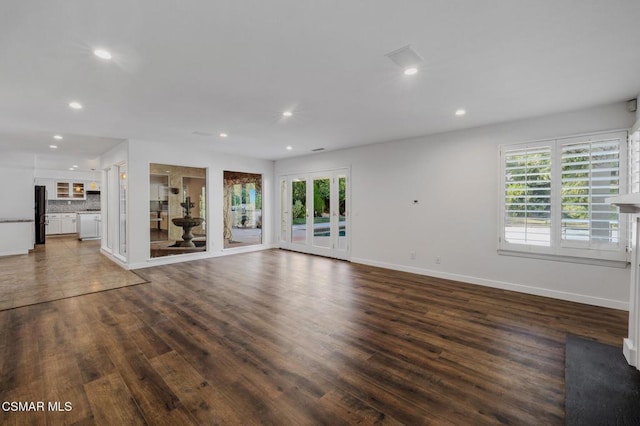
630, 203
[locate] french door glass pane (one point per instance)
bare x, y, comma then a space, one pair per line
322, 212
122, 210
342, 212
106, 216
299, 211
283, 210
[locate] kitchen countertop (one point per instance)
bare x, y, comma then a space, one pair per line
13, 220
89, 212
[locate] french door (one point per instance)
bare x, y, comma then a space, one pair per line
314, 213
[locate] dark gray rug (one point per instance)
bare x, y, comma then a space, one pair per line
601, 388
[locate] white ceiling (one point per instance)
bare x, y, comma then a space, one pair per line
234, 66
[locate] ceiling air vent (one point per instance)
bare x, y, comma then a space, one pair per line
405, 57
317, 150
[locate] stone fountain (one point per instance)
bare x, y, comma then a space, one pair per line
187, 223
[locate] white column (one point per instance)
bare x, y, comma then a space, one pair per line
630, 345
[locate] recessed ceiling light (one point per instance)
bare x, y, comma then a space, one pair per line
411, 71
75, 166
71, 168
75, 105
58, 137
223, 135
102, 54
287, 113
460, 112
53, 146
289, 148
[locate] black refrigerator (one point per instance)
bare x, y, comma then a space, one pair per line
41, 211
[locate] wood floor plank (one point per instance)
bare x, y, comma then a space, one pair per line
351, 410
157, 403
206, 403
22, 363
275, 337
111, 402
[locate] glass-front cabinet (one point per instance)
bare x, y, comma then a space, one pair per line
68, 190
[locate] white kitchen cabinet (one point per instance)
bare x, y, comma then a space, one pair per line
64, 189
154, 192
53, 224
17, 237
158, 192
61, 223
50, 184
68, 190
68, 223
89, 226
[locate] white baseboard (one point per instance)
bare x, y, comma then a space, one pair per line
521, 288
629, 352
108, 254
168, 260
14, 252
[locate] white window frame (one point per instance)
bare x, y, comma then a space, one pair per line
634, 162
608, 254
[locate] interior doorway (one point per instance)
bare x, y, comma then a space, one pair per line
242, 209
158, 207
177, 210
314, 213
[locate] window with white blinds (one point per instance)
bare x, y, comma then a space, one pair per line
554, 196
634, 162
590, 175
527, 201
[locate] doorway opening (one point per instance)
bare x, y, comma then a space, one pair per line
242, 212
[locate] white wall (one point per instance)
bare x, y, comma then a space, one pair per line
68, 175
17, 202
141, 153
455, 178
109, 199
16, 193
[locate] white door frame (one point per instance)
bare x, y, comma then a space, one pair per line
337, 246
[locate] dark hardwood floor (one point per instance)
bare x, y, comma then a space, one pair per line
277, 337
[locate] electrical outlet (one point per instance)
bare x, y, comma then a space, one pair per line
412, 255
437, 260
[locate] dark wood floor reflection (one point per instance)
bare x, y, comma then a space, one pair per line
283, 338
63, 267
